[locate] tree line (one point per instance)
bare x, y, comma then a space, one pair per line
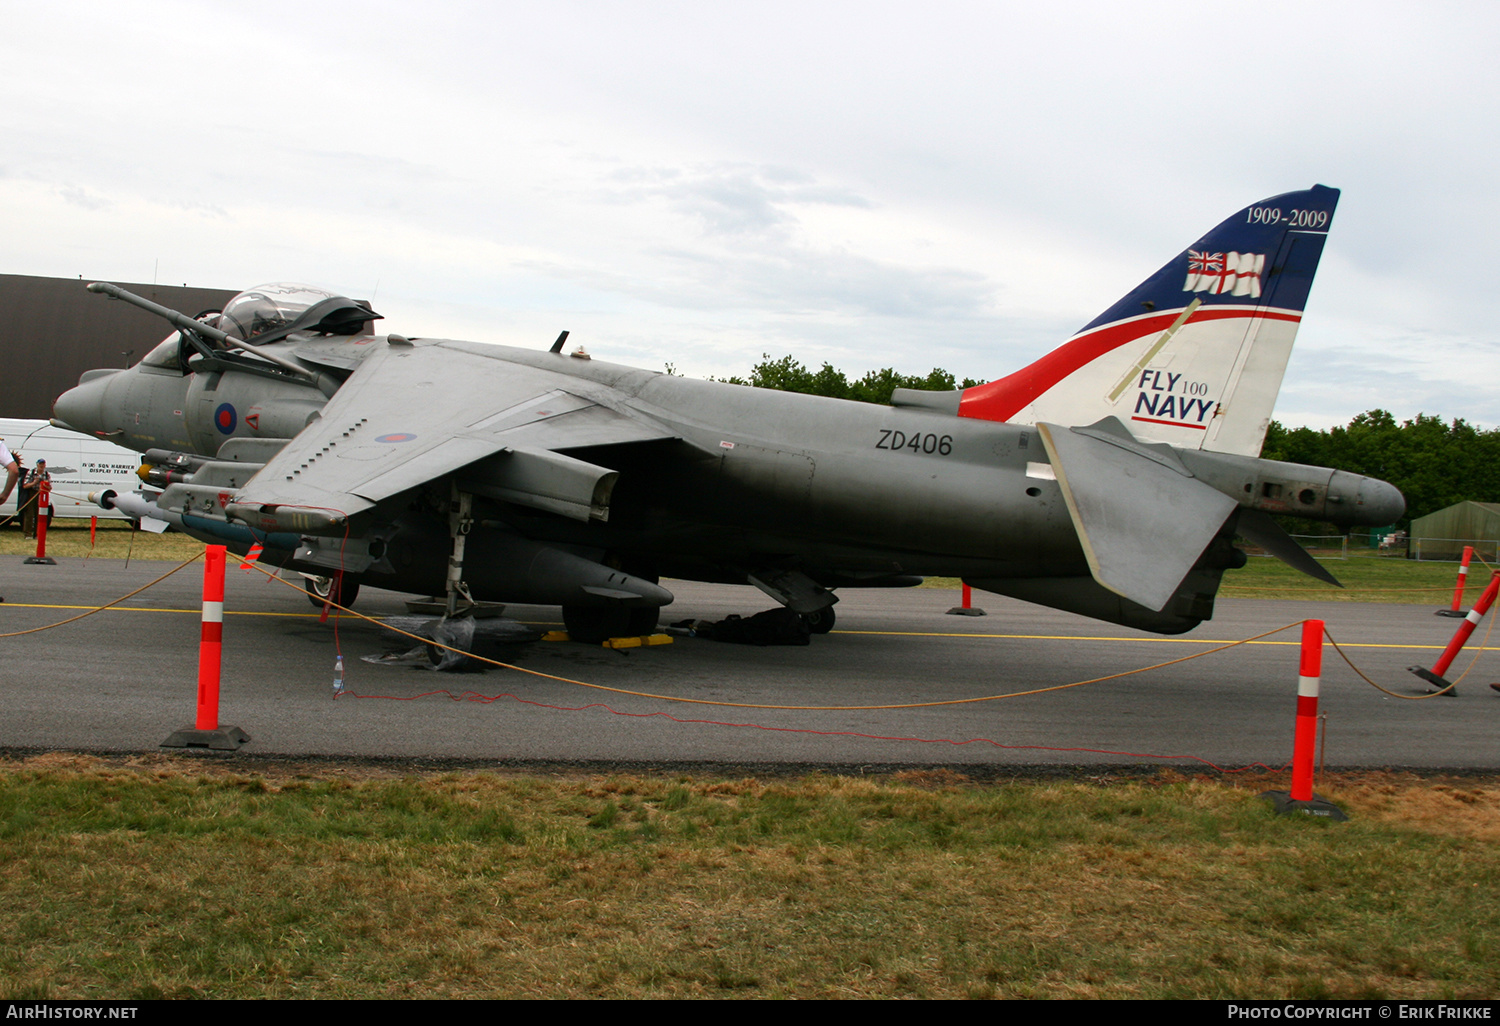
789, 375
1434, 462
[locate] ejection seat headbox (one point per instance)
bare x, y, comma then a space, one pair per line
268, 313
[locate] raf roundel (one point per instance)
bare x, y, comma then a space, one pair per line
399, 436
225, 418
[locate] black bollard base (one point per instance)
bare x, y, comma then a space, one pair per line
1321, 807
224, 739
1437, 683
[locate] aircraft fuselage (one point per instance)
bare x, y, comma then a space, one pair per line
1110, 477
858, 493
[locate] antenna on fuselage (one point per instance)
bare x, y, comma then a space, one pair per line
557, 346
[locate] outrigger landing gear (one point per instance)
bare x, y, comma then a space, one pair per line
801, 594
455, 633
820, 621
460, 523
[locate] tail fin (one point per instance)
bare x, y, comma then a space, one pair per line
1195, 354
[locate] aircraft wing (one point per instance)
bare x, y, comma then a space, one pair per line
413, 413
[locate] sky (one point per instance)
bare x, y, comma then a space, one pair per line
870, 184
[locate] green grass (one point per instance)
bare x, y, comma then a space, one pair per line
114, 539
1365, 579
181, 877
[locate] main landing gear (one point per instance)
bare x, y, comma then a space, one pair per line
339, 589
597, 624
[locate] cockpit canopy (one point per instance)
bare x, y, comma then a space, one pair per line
280, 307
265, 314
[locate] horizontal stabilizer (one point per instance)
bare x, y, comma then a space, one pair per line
1259, 529
1142, 522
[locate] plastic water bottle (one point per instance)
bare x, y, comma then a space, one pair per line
338, 676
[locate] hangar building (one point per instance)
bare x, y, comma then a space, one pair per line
53, 329
1443, 535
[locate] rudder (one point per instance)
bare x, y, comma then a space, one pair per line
1195, 354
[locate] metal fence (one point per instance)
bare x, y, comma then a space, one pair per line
1390, 545
1451, 550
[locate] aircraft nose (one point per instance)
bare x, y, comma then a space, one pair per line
82, 407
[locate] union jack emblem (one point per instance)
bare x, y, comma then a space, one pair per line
1204, 263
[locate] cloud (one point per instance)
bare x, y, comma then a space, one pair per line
1404, 371
732, 236
729, 199
872, 185
787, 280
84, 198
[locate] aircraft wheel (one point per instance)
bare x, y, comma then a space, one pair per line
323, 591
597, 624
643, 620
820, 622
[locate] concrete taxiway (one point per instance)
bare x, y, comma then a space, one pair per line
123, 679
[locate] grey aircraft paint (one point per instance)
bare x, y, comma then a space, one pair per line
437, 466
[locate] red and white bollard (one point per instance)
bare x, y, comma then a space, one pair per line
41, 556
1434, 676
968, 608
211, 641
1305, 738
1458, 589
206, 732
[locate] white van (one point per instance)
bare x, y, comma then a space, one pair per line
78, 464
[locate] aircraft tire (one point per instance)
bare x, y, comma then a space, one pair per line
323, 590
643, 620
597, 624
820, 622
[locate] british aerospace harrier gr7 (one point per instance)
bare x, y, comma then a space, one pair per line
1109, 478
